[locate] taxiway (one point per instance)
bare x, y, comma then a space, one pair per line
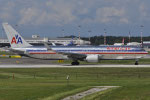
68, 66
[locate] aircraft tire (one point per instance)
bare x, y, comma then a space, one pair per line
75, 63
136, 63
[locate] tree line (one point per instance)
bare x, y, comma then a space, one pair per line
99, 40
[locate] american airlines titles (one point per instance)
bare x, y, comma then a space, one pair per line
118, 48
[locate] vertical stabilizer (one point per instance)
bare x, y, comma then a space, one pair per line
14, 38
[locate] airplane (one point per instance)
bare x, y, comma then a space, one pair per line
71, 43
74, 53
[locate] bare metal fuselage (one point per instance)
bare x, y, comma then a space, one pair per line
112, 52
103, 56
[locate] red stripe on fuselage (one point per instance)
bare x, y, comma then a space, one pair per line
114, 53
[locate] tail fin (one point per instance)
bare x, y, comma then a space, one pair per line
14, 38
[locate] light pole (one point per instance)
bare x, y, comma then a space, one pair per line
63, 32
129, 37
105, 37
142, 35
79, 34
89, 35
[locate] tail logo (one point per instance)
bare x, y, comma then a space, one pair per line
16, 39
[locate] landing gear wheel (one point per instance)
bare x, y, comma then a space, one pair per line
75, 63
136, 63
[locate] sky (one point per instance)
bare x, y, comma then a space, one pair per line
56, 18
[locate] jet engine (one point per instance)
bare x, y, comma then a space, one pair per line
92, 58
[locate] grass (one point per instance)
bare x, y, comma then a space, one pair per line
51, 83
6, 53
141, 61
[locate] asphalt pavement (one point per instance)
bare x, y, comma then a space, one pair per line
38, 63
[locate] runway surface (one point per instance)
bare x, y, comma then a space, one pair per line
24, 61
38, 63
68, 66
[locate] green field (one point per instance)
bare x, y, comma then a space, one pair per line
51, 83
131, 62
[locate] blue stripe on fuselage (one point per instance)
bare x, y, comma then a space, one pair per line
84, 49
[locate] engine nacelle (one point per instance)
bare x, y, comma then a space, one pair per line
92, 58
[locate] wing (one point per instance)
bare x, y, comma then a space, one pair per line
74, 56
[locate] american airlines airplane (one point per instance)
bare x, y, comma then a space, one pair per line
75, 53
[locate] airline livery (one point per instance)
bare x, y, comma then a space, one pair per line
75, 53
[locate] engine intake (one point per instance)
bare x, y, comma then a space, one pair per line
92, 58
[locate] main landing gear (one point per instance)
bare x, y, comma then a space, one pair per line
137, 62
75, 63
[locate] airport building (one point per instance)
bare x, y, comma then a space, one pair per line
146, 44
36, 40
134, 44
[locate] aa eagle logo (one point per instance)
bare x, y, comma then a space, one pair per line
16, 39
